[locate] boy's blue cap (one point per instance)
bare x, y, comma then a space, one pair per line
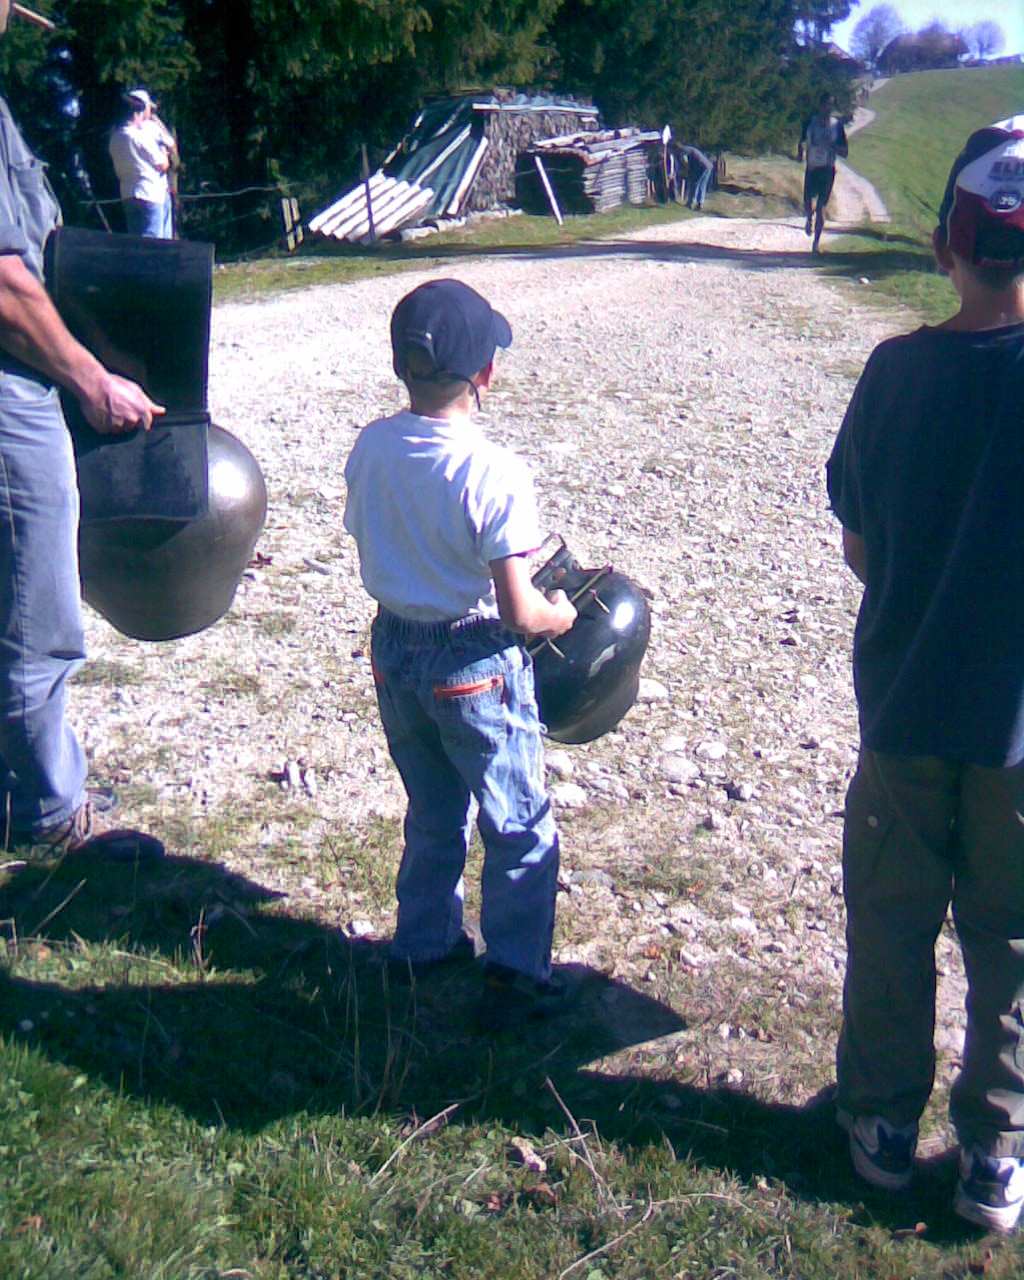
452, 325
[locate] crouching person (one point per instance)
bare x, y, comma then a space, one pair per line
927, 477
443, 519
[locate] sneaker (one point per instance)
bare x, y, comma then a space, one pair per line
403, 972
80, 835
511, 997
882, 1154
991, 1190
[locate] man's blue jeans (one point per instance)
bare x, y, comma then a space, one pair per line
41, 636
144, 218
458, 707
700, 188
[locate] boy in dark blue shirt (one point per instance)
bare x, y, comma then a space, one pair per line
927, 478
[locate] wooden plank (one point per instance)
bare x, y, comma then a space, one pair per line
547, 187
455, 204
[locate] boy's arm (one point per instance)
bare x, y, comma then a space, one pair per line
522, 607
855, 554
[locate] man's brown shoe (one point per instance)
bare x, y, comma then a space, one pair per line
82, 834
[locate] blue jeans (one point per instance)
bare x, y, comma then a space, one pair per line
42, 765
458, 708
699, 188
144, 218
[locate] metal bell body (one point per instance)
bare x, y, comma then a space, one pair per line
159, 579
587, 679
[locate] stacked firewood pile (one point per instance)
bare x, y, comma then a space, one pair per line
588, 172
491, 151
510, 132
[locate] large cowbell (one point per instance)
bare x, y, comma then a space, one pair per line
588, 678
169, 517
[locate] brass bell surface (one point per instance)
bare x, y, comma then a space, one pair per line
159, 579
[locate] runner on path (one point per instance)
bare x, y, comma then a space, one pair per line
825, 138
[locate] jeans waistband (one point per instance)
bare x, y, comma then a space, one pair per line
12, 365
411, 632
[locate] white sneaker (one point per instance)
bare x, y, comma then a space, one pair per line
882, 1154
991, 1190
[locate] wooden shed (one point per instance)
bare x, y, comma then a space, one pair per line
460, 156
588, 172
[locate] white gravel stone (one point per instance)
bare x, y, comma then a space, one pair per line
559, 764
651, 691
567, 795
679, 769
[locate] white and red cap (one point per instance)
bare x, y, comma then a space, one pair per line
985, 191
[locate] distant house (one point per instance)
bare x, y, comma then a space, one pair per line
841, 61
928, 50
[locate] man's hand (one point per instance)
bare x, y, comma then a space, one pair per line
119, 405
855, 554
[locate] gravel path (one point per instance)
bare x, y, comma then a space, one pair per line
677, 394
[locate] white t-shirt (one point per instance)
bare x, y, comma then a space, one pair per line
136, 151
430, 503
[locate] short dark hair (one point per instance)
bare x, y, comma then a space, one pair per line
998, 257
429, 391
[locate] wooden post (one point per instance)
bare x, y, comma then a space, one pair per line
547, 187
369, 205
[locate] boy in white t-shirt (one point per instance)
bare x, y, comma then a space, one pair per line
444, 519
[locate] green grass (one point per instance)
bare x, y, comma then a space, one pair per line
921, 123
324, 262
193, 1083
196, 1081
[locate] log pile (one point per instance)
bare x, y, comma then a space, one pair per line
478, 152
588, 172
510, 130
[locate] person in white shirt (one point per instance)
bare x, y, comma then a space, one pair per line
444, 519
142, 150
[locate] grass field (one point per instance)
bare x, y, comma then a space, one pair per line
194, 1085
921, 123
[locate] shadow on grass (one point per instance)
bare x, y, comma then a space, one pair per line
185, 983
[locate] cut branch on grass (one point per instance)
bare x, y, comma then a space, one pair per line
611, 1244
603, 1190
428, 1126
58, 908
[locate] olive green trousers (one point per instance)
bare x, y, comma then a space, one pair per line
921, 834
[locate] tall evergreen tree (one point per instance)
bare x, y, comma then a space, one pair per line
721, 76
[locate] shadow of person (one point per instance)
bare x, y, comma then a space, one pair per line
184, 982
270, 1011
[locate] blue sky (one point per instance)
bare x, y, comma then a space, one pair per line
951, 13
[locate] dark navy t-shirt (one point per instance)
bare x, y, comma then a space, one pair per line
928, 468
